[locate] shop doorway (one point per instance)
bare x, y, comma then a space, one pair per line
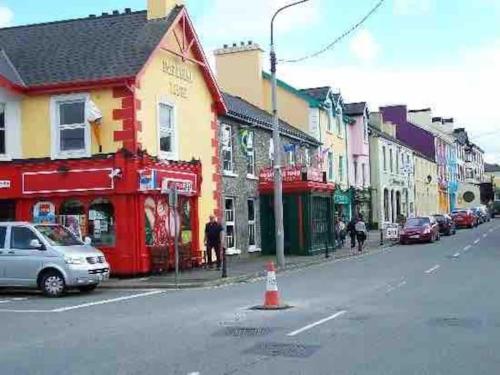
7, 210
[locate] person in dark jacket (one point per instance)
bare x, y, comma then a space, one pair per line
351, 229
213, 240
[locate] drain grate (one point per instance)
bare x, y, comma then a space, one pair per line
273, 349
456, 322
244, 331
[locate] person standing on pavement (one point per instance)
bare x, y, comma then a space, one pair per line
351, 229
341, 231
361, 233
213, 240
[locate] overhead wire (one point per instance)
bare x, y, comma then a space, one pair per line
339, 38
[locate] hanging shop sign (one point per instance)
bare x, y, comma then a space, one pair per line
340, 197
5, 184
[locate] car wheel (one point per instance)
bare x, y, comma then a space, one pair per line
53, 284
432, 239
87, 288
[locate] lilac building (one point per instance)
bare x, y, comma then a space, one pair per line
417, 138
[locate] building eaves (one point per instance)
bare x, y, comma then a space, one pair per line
285, 86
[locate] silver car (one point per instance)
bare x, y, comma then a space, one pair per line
50, 258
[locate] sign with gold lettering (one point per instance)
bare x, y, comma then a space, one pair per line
182, 74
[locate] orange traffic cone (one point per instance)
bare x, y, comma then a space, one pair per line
272, 297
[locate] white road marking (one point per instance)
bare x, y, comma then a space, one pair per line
194, 373
312, 325
467, 248
25, 311
476, 241
456, 255
106, 301
491, 230
19, 299
485, 235
432, 269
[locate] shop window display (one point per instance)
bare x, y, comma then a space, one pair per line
101, 223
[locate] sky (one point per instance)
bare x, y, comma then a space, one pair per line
442, 54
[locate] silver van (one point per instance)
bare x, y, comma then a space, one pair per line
48, 257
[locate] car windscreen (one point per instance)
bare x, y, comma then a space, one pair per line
417, 222
57, 235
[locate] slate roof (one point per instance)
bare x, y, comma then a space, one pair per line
318, 93
240, 109
85, 49
491, 167
355, 109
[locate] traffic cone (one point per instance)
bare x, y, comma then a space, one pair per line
272, 296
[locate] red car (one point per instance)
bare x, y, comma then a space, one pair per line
420, 229
464, 218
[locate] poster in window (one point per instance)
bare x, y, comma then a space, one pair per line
44, 213
160, 221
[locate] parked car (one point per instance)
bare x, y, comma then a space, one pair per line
420, 229
495, 208
446, 224
50, 258
483, 213
479, 215
464, 218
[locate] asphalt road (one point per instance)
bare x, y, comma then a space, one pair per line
418, 309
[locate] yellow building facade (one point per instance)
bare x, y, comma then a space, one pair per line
426, 186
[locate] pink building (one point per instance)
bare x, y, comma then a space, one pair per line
358, 149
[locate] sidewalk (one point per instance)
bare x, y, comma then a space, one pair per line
239, 269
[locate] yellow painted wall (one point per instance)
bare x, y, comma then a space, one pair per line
291, 108
427, 199
36, 124
193, 116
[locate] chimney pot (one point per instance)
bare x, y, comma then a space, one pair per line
104, 14
225, 46
128, 10
250, 42
92, 15
115, 13
242, 43
234, 44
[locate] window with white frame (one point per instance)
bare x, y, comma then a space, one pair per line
363, 173
71, 130
166, 128
355, 164
3, 134
250, 155
252, 243
341, 168
330, 166
397, 161
227, 149
391, 161
384, 157
291, 157
229, 210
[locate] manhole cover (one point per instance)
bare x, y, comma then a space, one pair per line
244, 331
456, 322
272, 349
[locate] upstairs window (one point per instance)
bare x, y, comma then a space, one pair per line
363, 171
391, 161
384, 157
365, 129
329, 124
330, 166
355, 173
167, 133
227, 149
71, 131
250, 149
3, 137
341, 168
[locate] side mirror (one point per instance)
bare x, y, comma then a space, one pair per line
87, 241
35, 244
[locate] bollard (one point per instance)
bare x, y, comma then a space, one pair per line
224, 263
327, 254
381, 237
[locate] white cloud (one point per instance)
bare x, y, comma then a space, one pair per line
412, 7
466, 89
364, 46
233, 21
6, 16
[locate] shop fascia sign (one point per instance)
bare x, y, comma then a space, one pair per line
341, 198
292, 174
159, 180
182, 75
5, 184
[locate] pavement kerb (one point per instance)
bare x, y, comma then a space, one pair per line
133, 284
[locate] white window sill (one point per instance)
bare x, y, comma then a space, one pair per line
252, 177
229, 174
72, 155
254, 249
168, 156
5, 158
233, 251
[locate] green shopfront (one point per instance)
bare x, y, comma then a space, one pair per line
342, 204
308, 218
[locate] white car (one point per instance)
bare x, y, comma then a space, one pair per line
48, 257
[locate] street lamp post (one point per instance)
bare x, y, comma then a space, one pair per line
278, 188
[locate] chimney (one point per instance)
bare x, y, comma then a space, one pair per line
161, 8
239, 71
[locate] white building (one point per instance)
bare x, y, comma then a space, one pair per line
392, 173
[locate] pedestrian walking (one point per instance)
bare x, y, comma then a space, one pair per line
341, 232
213, 240
351, 230
361, 233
